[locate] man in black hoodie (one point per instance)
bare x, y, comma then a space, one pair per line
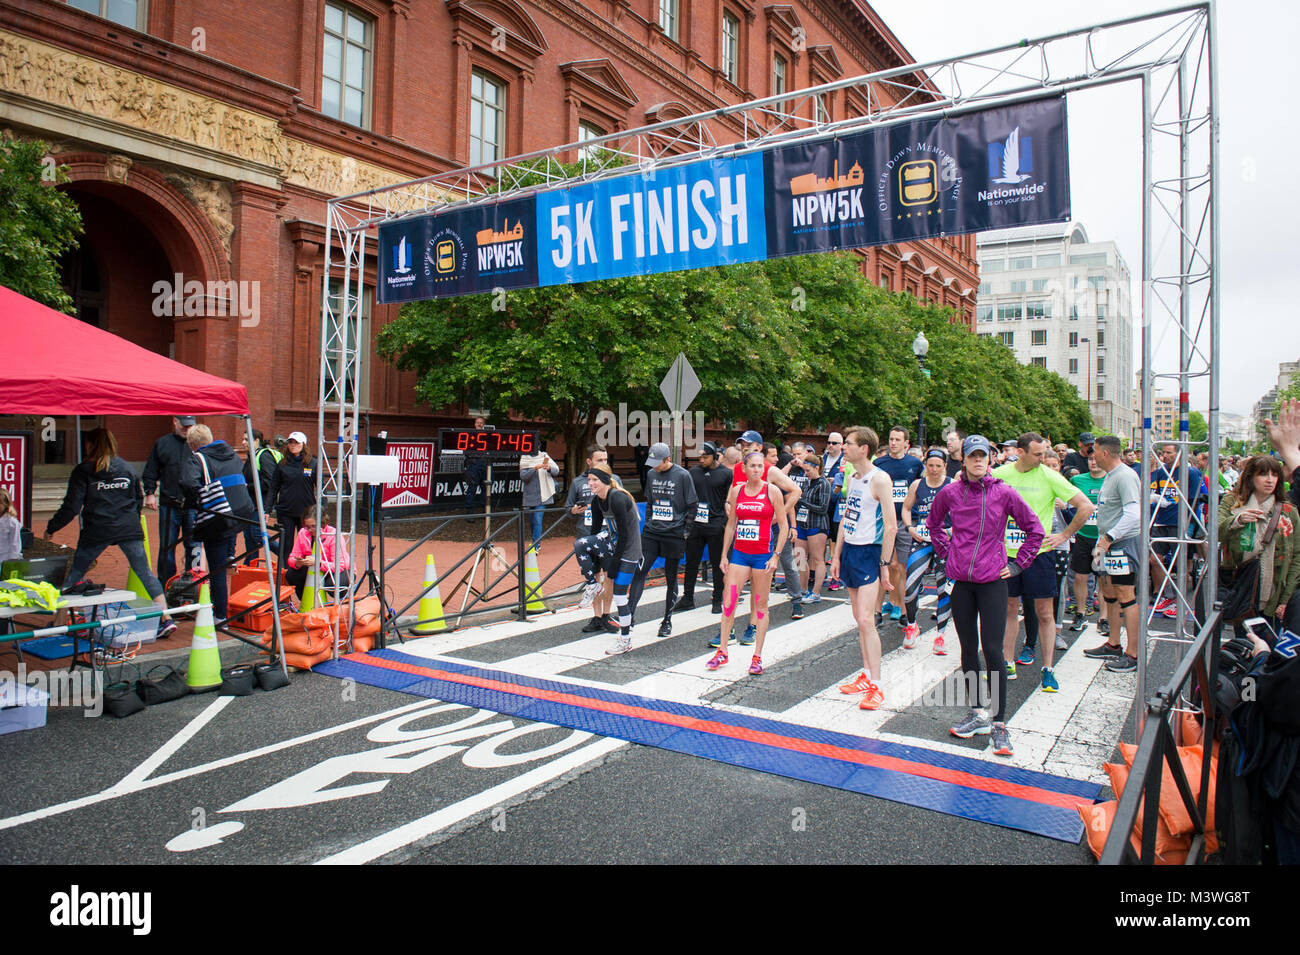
670, 510
163, 472
216, 522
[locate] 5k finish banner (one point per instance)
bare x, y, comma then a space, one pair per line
991, 169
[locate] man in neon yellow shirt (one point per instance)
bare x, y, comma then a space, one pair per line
1041, 487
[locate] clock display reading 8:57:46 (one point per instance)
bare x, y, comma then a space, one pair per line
505, 444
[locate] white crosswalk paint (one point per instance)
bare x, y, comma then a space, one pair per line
1071, 732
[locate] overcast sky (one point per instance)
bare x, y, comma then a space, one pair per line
1258, 74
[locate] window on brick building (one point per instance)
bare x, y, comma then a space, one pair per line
780, 78
669, 17
346, 66
730, 46
487, 118
823, 113
133, 14
358, 328
588, 131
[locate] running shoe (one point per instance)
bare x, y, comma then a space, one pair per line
888, 608
1122, 664
1107, 651
975, 724
796, 612
1001, 742
594, 625
756, 665
1072, 607
1164, 604
1171, 611
834, 585
166, 628
666, 629
859, 684
1077, 624
719, 659
910, 633
880, 621
895, 613
589, 594
1011, 670
716, 641
611, 623
812, 598
1026, 658
684, 603
873, 699
1049, 683
717, 607
940, 650
1103, 627
1062, 643
747, 638
622, 644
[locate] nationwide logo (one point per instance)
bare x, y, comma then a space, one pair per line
402, 275
500, 251
916, 180
820, 202
1011, 164
445, 257
402, 257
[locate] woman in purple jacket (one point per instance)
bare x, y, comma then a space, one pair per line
978, 505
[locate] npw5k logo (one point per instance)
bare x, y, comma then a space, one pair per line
77, 908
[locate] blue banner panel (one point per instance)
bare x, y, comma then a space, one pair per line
688, 217
915, 180
458, 253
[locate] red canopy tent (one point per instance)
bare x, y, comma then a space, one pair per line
54, 364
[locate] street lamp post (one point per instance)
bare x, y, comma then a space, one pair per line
921, 347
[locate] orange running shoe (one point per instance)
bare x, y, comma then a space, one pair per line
857, 686
873, 699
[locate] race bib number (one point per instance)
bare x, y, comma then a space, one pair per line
900, 493
1116, 565
662, 511
747, 531
801, 514
1015, 537
922, 531
586, 517
702, 513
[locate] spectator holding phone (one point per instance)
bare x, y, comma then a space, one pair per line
1257, 523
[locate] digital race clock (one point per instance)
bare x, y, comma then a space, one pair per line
497, 444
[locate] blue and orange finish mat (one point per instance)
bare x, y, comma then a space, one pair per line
957, 785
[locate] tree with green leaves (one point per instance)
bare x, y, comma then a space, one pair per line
38, 222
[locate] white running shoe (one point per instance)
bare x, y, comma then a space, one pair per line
590, 593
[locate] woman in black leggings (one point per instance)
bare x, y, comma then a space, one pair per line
978, 505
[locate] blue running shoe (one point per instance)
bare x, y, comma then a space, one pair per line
895, 613
888, 609
812, 598
747, 638
1049, 682
716, 642
1026, 657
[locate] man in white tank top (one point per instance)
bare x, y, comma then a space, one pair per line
865, 544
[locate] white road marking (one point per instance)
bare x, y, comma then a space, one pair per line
169, 748
417, 829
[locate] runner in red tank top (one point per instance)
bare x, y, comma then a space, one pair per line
751, 509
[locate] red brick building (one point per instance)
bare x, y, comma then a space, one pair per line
203, 138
